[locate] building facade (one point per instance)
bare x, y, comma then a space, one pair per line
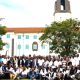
24, 41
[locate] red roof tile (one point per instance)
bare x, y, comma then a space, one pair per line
25, 29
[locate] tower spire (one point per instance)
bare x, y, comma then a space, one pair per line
62, 6
62, 10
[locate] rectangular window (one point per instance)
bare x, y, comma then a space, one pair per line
43, 46
35, 36
19, 46
27, 46
27, 36
8, 35
19, 36
7, 46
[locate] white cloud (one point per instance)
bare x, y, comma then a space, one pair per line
28, 13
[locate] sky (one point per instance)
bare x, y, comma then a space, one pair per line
26, 13
32, 13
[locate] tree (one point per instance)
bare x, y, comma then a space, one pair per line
63, 37
2, 32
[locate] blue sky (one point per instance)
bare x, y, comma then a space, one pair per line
26, 13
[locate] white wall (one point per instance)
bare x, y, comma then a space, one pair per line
61, 16
23, 42
7, 41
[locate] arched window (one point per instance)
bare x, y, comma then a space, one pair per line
62, 4
35, 46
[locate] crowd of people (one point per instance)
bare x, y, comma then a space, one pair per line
40, 67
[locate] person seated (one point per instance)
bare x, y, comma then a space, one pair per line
10, 70
32, 74
24, 73
43, 73
1, 72
67, 77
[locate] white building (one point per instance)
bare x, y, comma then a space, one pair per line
24, 41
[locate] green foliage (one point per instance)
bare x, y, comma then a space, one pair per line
64, 37
2, 32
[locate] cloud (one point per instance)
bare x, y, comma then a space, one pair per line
10, 5
26, 12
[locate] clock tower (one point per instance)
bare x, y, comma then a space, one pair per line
62, 10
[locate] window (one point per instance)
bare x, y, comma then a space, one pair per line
43, 46
7, 46
27, 46
19, 46
35, 46
19, 36
62, 4
27, 36
8, 35
35, 36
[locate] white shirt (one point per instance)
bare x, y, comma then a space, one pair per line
73, 61
46, 63
4, 60
19, 70
76, 61
40, 61
11, 70
43, 73
78, 71
1, 72
50, 63
25, 72
56, 63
